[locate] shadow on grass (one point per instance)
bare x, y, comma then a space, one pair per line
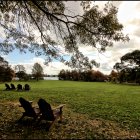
74, 126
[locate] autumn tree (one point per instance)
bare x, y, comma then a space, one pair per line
6, 73
37, 71
89, 75
113, 76
49, 28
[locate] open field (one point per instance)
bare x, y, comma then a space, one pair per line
93, 110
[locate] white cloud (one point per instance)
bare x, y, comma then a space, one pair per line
52, 69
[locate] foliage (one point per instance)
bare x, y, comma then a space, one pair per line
37, 71
6, 73
129, 67
113, 76
90, 75
43, 26
19, 68
20, 72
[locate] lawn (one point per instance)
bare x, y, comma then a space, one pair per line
93, 110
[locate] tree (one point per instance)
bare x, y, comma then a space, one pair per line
133, 59
62, 75
55, 26
129, 67
90, 75
20, 72
113, 76
37, 71
6, 73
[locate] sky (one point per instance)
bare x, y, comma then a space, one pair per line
128, 15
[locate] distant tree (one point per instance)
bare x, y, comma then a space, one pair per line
19, 68
113, 76
20, 71
62, 75
3, 63
119, 67
99, 76
68, 75
131, 59
129, 67
21, 75
6, 73
77, 75
37, 71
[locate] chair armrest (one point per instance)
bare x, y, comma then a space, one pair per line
58, 107
28, 101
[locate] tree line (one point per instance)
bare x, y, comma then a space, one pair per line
128, 70
7, 73
77, 75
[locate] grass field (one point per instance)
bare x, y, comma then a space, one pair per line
93, 110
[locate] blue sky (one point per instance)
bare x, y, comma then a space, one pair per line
17, 57
128, 15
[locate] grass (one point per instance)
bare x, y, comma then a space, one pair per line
98, 110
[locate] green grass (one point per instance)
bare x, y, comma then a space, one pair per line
103, 101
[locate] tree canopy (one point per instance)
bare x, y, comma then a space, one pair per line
6, 73
45, 28
37, 71
129, 60
129, 67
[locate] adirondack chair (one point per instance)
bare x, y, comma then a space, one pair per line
49, 114
29, 110
19, 87
27, 87
7, 87
13, 87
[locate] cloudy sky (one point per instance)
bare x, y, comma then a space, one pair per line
128, 15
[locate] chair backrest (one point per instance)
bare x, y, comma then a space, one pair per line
27, 87
27, 106
13, 86
19, 87
7, 86
46, 110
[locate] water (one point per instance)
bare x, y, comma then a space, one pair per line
45, 78
50, 78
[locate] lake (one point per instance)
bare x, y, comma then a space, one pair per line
51, 78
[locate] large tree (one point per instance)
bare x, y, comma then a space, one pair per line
37, 71
6, 73
43, 26
129, 67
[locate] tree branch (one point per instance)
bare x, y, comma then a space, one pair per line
65, 22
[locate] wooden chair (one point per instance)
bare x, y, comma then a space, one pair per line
13, 87
29, 110
27, 87
19, 87
49, 114
7, 87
